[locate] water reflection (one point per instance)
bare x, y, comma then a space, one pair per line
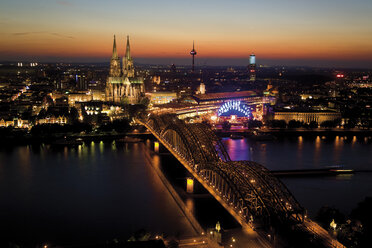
303, 152
101, 147
343, 191
317, 152
190, 205
60, 194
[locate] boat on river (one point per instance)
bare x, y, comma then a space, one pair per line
127, 139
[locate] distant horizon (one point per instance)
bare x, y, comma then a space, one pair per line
200, 62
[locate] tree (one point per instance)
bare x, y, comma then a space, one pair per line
135, 110
313, 124
73, 115
294, 124
326, 214
124, 101
207, 123
351, 123
364, 215
121, 126
144, 101
42, 114
277, 124
226, 126
253, 124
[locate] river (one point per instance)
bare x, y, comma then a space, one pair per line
100, 191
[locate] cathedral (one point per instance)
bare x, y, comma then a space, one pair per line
122, 85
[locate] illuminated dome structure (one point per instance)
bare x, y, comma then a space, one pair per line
236, 108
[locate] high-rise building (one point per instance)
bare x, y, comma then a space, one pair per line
122, 85
252, 67
81, 82
173, 68
193, 53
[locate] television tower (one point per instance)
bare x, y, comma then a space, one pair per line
193, 53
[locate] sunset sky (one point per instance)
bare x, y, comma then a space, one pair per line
285, 32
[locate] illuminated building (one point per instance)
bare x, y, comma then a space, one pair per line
201, 89
81, 82
156, 80
219, 98
162, 97
93, 107
193, 53
122, 85
234, 108
210, 103
78, 97
252, 67
307, 116
53, 120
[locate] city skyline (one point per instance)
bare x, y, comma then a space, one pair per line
332, 33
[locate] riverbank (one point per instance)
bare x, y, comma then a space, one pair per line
188, 214
296, 132
27, 139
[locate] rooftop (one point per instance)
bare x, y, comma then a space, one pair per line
224, 95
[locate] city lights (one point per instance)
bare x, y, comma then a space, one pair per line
212, 144
234, 108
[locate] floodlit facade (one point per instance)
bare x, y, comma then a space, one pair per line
122, 85
307, 117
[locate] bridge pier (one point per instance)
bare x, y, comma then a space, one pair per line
190, 185
156, 146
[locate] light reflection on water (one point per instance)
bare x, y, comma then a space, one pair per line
343, 191
84, 194
303, 152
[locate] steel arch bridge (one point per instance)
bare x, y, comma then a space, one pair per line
246, 189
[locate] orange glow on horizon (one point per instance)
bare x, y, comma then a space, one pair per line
101, 47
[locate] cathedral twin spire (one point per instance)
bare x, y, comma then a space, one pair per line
114, 51
128, 68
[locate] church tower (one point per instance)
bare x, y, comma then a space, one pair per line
115, 62
128, 68
122, 85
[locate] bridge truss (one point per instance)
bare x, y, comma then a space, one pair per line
246, 188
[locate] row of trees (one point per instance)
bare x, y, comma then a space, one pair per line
301, 124
119, 126
283, 124
354, 230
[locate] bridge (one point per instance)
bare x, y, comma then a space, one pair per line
247, 190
